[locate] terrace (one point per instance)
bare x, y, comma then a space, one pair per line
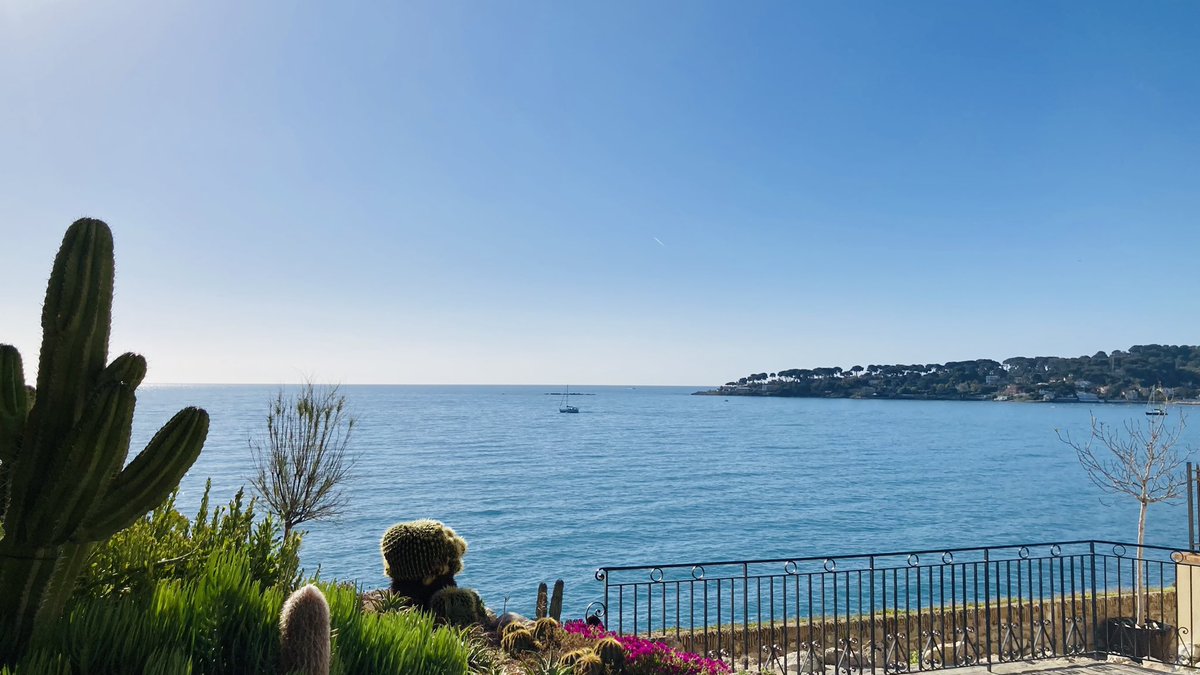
1067, 606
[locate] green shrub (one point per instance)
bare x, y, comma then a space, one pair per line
393, 643
165, 545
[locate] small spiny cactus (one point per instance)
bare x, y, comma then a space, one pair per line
547, 631
570, 658
518, 640
542, 603
304, 633
611, 653
460, 607
588, 664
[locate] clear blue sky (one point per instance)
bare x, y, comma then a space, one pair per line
636, 193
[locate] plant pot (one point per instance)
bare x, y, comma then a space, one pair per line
1123, 637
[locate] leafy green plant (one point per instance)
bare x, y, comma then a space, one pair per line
65, 482
402, 643
166, 545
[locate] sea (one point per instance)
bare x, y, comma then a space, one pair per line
654, 475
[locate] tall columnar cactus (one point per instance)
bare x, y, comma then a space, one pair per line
305, 633
421, 557
556, 601
64, 484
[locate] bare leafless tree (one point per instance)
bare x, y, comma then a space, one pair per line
301, 461
1140, 459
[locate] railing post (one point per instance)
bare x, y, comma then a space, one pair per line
871, 630
987, 603
1095, 599
745, 616
1191, 509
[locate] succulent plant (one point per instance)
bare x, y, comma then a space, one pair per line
304, 633
421, 557
458, 606
552, 606
547, 631
64, 483
611, 653
574, 655
589, 664
518, 640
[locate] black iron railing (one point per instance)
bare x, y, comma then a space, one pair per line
913, 611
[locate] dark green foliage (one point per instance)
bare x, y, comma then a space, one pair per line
1110, 375
166, 545
460, 607
64, 479
223, 623
400, 643
518, 640
421, 557
219, 623
611, 652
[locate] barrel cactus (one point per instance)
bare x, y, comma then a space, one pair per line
589, 664
458, 606
421, 557
518, 640
570, 658
547, 631
611, 653
305, 633
64, 483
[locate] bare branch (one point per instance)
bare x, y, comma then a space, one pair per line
301, 461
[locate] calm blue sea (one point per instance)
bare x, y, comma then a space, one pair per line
652, 475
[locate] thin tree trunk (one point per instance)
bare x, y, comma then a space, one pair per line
1137, 582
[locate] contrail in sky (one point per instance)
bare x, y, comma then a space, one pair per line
660, 242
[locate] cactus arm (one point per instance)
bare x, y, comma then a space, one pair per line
73, 558
14, 402
150, 477
84, 465
75, 329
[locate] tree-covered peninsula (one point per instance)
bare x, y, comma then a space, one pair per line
1171, 371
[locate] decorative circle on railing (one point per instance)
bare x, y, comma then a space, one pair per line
948, 557
1119, 550
1176, 556
790, 567
1055, 551
656, 579
830, 565
913, 560
698, 572
596, 609
1023, 553
601, 575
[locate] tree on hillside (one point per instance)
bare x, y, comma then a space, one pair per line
1140, 459
301, 463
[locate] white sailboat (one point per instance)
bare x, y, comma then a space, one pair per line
565, 406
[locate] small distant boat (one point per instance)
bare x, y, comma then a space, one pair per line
1156, 410
565, 406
